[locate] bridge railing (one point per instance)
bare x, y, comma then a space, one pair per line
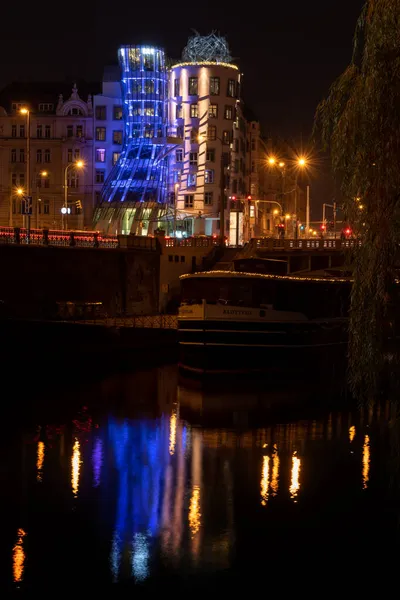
192, 242
305, 244
54, 237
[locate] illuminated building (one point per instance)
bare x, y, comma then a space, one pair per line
136, 189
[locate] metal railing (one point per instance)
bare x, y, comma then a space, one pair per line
54, 237
138, 322
192, 242
305, 244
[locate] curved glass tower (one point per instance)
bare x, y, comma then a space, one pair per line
137, 184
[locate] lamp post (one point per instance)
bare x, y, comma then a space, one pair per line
301, 163
26, 112
79, 164
43, 175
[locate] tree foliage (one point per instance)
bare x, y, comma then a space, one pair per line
359, 123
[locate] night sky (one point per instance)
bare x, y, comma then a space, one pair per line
290, 52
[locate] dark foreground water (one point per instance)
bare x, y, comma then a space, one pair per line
143, 482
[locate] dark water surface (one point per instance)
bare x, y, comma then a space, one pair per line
143, 481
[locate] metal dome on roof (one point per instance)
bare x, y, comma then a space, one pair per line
207, 48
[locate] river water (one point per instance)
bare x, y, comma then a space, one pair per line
142, 481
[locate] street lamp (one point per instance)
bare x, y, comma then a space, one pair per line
43, 175
79, 164
26, 112
301, 163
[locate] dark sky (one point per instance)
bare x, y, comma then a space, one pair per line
290, 51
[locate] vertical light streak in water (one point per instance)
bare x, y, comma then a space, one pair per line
140, 557
275, 472
19, 557
264, 480
39, 461
195, 499
97, 461
352, 433
179, 493
366, 461
76, 466
194, 511
295, 477
172, 430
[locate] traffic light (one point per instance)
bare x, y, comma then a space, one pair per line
323, 227
78, 204
249, 197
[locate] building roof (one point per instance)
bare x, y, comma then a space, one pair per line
35, 92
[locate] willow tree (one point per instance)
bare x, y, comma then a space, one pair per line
359, 123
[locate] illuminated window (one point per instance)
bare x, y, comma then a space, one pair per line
39, 131
22, 155
231, 92
39, 156
117, 113
101, 113
100, 134
193, 159
179, 155
70, 131
208, 198
148, 131
13, 131
115, 157
79, 131
228, 112
193, 86
178, 111
212, 133
149, 86
100, 155
22, 131
214, 86
148, 62
210, 156
191, 180
13, 157
213, 111
189, 200
177, 86
47, 155
100, 175
46, 207
226, 137
209, 176
149, 111
117, 137
47, 132
194, 110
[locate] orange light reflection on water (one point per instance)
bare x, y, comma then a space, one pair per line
19, 557
352, 433
265, 480
39, 460
194, 510
295, 477
76, 465
366, 461
275, 472
172, 432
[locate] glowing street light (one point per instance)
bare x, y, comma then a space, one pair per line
20, 191
271, 161
276, 212
281, 164
79, 164
302, 162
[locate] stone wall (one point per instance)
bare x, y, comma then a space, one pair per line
34, 279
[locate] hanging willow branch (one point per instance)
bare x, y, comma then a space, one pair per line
359, 123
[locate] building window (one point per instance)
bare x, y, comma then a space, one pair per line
148, 62
179, 155
117, 113
100, 155
39, 131
194, 136
193, 159
194, 111
179, 131
226, 137
79, 131
101, 113
70, 131
177, 86
75, 112
115, 157
39, 156
149, 111
213, 111
73, 179
14, 206
100, 134
77, 154
46, 182
22, 155
214, 86
22, 131
210, 155
191, 180
231, 92
208, 198
46, 107
46, 207
253, 144
209, 176
193, 86
253, 166
100, 174
69, 155
212, 133
178, 111
117, 137
22, 179
177, 176
13, 155
47, 155
228, 112
13, 131
16, 105
14, 179
189, 200
47, 132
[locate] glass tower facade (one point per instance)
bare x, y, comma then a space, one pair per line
137, 184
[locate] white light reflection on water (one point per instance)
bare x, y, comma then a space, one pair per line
295, 477
140, 557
